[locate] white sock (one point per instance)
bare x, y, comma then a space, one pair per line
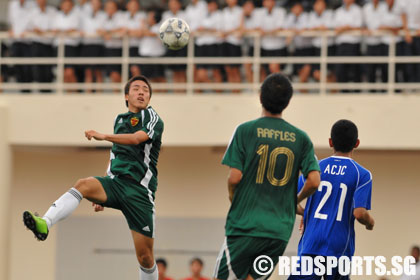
63, 207
149, 273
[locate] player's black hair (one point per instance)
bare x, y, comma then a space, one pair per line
162, 261
344, 136
196, 259
136, 78
276, 92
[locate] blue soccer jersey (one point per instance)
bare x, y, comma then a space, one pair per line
328, 219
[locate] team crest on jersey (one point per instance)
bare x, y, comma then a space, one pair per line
134, 121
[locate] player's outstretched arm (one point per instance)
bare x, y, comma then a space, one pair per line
311, 185
363, 216
122, 139
235, 176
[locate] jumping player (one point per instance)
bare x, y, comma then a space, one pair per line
131, 179
265, 157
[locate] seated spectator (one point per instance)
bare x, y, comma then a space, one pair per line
151, 46
209, 45
66, 24
112, 32
415, 252
41, 21
135, 19
196, 267
162, 266
92, 42
321, 19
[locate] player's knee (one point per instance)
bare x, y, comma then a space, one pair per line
146, 259
83, 187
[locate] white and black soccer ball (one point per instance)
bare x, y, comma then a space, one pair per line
174, 33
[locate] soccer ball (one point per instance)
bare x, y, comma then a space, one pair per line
174, 33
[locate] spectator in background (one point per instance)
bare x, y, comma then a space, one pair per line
415, 252
162, 266
347, 18
151, 46
18, 20
321, 19
179, 70
297, 21
195, 13
232, 19
92, 42
112, 32
196, 267
250, 24
41, 21
135, 19
66, 24
84, 8
270, 20
209, 45
391, 21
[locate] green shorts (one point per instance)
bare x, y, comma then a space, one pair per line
135, 202
238, 253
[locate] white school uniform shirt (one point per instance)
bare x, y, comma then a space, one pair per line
269, 22
391, 18
90, 26
352, 17
211, 21
152, 46
18, 19
112, 23
44, 21
195, 14
65, 22
301, 22
232, 19
251, 22
412, 10
326, 19
413, 277
134, 22
84, 10
372, 20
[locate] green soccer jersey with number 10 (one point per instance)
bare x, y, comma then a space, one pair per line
270, 152
138, 161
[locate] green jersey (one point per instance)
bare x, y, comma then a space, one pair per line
137, 162
270, 152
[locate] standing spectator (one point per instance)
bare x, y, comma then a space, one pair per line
84, 8
297, 21
348, 18
18, 20
66, 24
321, 19
232, 19
41, 21
92, 42
271, 19
195, 13
415, 252
391, 21
135, 19
196, 267
250, 24
372, 13
162, 266
209, 45
112, 33
179, 70
151, 46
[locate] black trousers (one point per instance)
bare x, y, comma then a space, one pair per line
372, 69
23, 72
348, 72
42, 73
416, 67
403, 71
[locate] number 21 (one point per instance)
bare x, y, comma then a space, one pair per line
324, 199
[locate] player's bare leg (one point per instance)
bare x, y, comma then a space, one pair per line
89, 188
144, 253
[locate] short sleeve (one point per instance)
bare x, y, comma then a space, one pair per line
301, 182
309, 161
363, 193
235, 153
152, 124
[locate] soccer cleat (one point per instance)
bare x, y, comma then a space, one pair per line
36, 224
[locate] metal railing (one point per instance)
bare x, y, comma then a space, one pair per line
190, 87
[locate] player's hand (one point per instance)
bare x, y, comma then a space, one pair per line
370, 225
97, 207
89, 134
